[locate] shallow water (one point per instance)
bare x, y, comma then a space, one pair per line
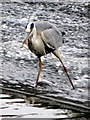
18, 107
19, 67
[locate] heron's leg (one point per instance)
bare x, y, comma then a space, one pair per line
40, 69
57, 54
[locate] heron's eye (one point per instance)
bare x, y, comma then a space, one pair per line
32, 26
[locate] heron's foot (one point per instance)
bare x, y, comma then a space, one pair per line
36, 85
73, 87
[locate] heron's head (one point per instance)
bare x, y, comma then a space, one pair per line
30, 27
31, 31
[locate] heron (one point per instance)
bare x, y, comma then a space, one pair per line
43, 38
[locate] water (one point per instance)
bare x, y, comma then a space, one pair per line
19, 67
17, 108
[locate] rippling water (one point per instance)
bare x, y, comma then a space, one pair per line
19, 67
17, 108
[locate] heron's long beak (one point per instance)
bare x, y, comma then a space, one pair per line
24, 42
28, 33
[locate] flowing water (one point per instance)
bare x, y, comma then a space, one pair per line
19, 67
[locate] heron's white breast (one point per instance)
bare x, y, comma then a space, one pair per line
38, 44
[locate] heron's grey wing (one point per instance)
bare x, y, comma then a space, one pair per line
43, 25
52, 38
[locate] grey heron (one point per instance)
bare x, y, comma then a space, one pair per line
43, 38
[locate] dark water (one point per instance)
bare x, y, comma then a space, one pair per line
19, 67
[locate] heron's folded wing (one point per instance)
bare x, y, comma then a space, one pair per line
42, 25
52, 38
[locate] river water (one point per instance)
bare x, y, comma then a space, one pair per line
19, 67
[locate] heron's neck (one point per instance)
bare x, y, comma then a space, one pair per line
34, 33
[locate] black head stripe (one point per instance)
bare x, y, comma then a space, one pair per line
32, 26
26, 27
